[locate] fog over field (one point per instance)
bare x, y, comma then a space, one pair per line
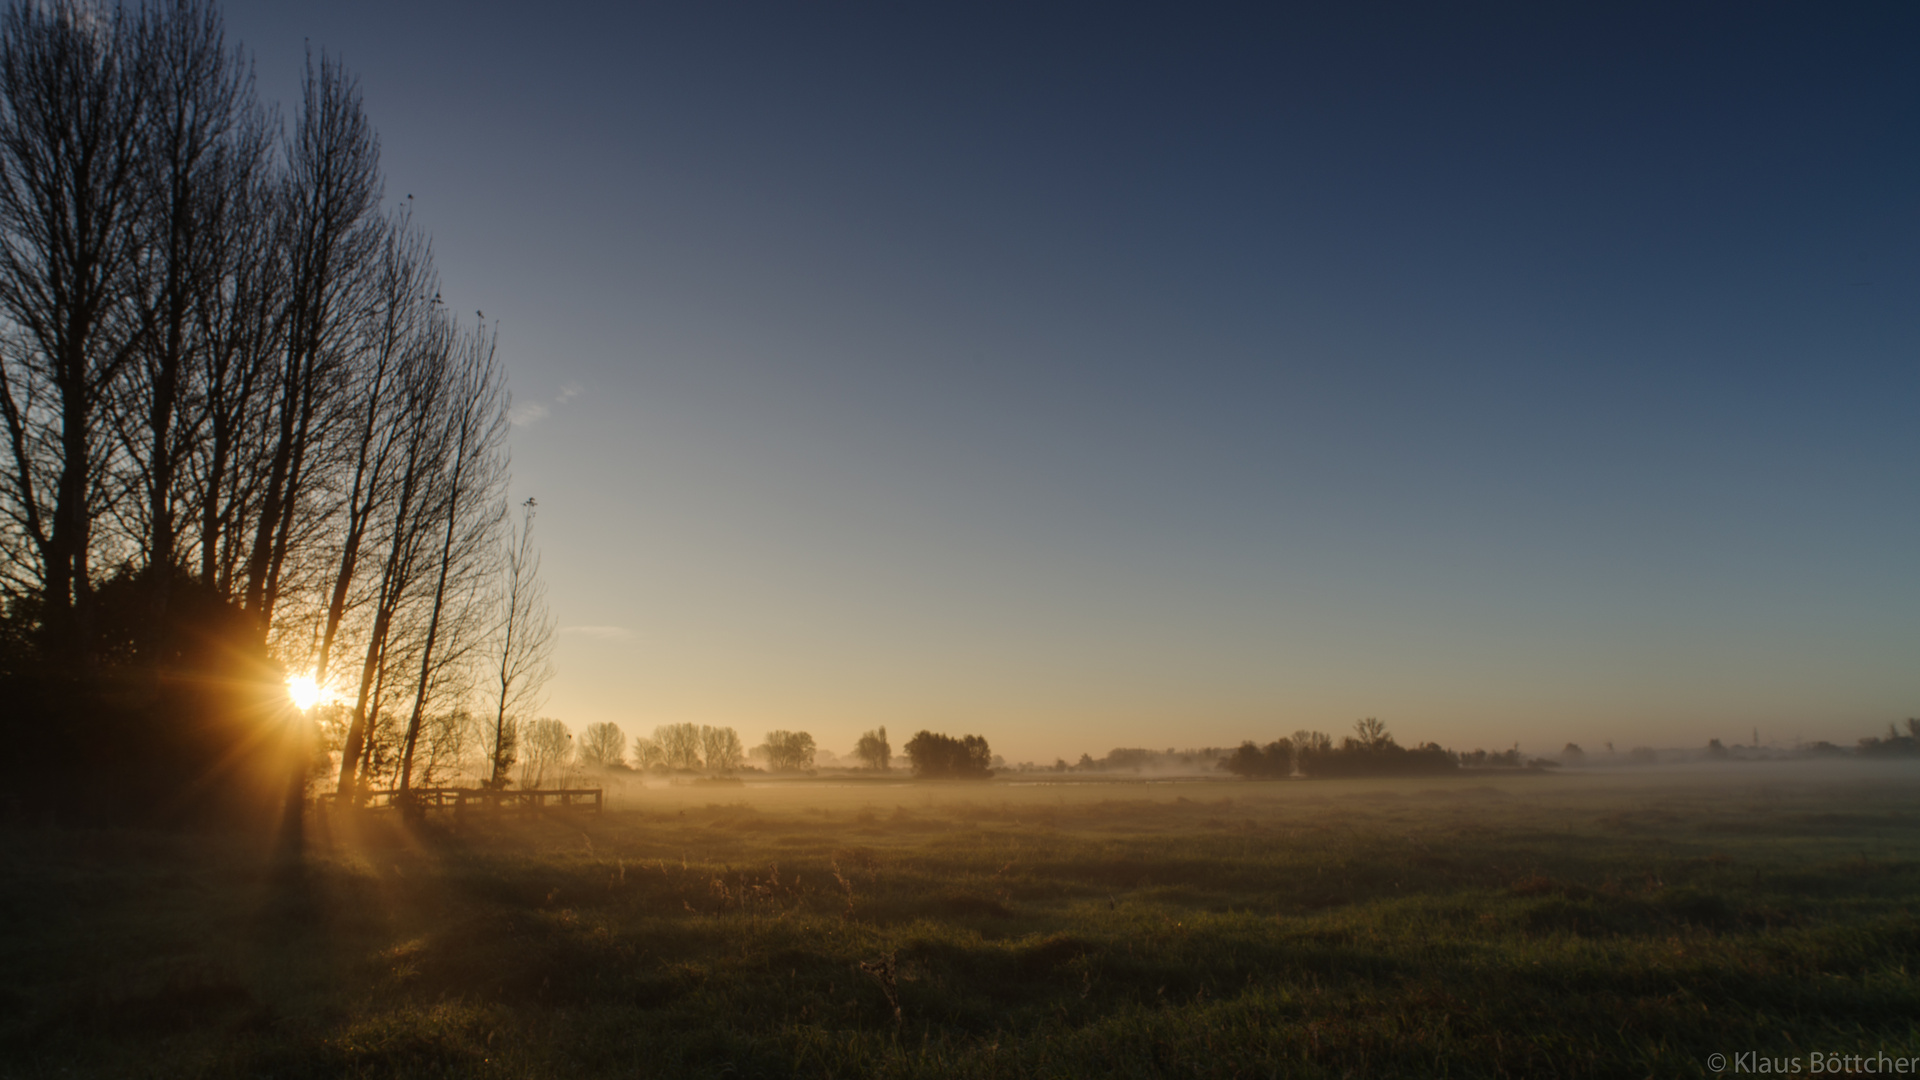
1591, 924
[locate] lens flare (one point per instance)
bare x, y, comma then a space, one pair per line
303, 690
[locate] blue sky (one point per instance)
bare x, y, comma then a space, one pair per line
1096, 376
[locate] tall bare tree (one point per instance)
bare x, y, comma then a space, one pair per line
525, 644
377, 426
472, 472
201, 139
71, 199
332, 192
407, 522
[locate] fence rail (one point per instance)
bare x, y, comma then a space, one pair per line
462, 800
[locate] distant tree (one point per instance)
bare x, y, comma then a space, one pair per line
1573, 755
1372, 734
1309, 747
1894, 745
1272, 761
873, 750
646, 753
549, 754
723, 748
1715, 749
945, 757
1371, 751
447, 744
789, 751
679, 745
603, 745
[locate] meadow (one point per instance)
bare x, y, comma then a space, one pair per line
1573, 925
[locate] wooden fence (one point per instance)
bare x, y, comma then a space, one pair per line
462, 800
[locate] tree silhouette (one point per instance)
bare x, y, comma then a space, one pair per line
525, 645
603, 745
789, 751
945, 757
722, 747
873, 749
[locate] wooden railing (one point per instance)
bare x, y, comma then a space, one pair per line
461, 800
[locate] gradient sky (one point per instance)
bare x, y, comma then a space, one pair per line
1114, 376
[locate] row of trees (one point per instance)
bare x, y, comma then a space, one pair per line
703, 748
242, 431
1369, 751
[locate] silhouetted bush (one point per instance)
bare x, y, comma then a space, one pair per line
165, 720
1390, 760
945, 757
1271, 761
1370, 751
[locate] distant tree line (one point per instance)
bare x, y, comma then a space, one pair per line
1894, 744
242, 433
1370, 751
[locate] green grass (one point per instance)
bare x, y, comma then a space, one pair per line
1533, 926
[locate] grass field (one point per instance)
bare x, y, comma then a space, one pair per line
1562, 925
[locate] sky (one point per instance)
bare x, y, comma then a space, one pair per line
1114, 375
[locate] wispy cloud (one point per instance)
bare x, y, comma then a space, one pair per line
535, 411
530, 413
605, 633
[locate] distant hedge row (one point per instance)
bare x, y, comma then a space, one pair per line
1371, 751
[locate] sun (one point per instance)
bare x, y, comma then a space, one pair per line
303, 690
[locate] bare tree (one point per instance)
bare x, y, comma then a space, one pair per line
525, 643
472, 475
679, 745
331, 194
603, 745
408, 521
201, 143
722, 748
380, 428
1372, 734
788, 751
549, 758
646, 753
71, 198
